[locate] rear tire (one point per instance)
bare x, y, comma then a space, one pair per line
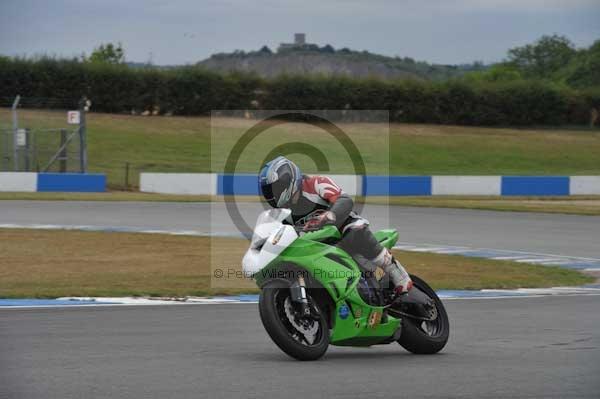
272, 296
414, 336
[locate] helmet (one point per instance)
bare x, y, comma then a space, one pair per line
279, 180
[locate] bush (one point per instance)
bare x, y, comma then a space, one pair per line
192, 90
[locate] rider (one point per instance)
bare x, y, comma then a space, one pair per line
284, 186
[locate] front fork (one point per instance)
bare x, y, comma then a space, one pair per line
299, 297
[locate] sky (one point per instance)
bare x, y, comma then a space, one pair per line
169, 32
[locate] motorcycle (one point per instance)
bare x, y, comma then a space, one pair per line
314, 294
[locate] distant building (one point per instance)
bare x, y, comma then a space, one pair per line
299, 42
299, 39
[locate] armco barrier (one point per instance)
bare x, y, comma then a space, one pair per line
46, 182
247, 184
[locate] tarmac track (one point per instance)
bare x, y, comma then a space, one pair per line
543, 347
546, 347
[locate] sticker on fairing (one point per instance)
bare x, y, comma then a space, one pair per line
344, 312
374, 319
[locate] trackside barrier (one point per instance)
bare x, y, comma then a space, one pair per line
247, 184
396, 185
52, 182
466, 185
584, 185
179, 183
71, 182
535, 185
18, 181
238, 184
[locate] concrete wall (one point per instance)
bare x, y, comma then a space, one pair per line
535, 185
466, 185
247, 184
52, 182
71, 182
18, 181
350, 184
584, 185
396, 185
179, 183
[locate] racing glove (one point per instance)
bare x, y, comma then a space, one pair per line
319, 221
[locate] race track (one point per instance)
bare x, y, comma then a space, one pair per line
545, 347
568, 235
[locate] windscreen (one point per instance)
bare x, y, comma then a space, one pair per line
266, 223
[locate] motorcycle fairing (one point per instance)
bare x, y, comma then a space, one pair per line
339, 275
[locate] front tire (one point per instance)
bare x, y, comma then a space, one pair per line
286, 330
423, 337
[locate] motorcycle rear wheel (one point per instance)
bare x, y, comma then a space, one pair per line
274, 308
425, 337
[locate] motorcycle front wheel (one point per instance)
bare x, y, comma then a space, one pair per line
300, 337
425, 337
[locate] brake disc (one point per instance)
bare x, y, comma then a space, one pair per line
306, 326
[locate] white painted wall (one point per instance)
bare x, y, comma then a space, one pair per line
179, 183
206, 183
466, 185
350, 184
18, 181
584, 185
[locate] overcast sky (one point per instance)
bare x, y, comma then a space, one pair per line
186, 31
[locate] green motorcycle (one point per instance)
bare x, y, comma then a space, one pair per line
314, 294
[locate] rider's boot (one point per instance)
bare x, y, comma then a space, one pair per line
395, 271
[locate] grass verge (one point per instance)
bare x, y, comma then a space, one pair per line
50, 264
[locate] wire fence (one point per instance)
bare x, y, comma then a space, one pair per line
42, 135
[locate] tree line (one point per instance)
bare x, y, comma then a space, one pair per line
546, 83
551, 58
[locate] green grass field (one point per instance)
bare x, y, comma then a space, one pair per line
183, 144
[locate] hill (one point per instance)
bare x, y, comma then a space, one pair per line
311, 59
